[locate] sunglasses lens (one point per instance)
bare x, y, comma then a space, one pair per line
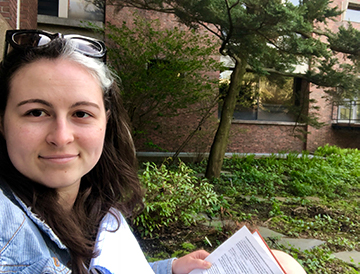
33, 39
30, 39
86, 47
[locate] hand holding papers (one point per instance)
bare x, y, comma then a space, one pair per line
242, 253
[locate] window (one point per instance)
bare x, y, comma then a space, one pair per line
265, 100
295, 2
73, 9
352, 12
48, 7
348, 111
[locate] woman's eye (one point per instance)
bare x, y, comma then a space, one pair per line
81, 114
36, 113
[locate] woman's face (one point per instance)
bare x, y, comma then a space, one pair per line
54, 123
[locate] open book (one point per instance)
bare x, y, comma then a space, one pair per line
243, 252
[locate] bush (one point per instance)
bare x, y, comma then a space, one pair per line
331, 173
173, 197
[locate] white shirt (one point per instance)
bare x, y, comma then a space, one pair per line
119, 251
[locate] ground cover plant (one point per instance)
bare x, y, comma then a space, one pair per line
299, 195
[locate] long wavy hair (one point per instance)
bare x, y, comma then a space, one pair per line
113, 182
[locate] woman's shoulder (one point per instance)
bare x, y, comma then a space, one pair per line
10, 213
15, 216
19, 233
14, 223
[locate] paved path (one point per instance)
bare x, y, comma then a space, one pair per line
350, 257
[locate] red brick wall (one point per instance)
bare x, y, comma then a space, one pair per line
174, 131
321, 136
28, 13
264, 138
8, 11
126, 14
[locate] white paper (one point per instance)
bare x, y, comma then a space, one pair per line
242, 253
119, 251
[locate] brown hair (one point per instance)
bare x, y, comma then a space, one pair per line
113, 182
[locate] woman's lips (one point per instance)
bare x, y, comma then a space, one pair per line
64, 158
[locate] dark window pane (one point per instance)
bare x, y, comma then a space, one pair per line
265, 99
48, 7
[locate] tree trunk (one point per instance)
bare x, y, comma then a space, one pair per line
219, 145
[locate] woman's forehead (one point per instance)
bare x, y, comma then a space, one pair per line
55, 79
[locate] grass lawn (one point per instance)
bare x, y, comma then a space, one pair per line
298, 196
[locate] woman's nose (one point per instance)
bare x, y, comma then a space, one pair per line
60, 133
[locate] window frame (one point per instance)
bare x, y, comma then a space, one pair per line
353, 7
256, 112
63, 13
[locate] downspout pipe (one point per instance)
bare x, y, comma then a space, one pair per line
18, 9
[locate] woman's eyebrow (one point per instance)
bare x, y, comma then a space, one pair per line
85, 103
39, 101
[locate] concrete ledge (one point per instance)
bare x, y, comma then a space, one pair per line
53, 20
197, 156
270, 123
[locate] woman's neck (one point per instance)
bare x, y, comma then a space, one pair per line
67, 197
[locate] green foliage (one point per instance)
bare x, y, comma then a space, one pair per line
186, 249
275, 210
162, 71
321, 260
333, 218
188, 246
173, 197
297, 175
317, 261
321, 223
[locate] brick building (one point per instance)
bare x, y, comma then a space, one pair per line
341, 123
271, 132
266, 127
269, 128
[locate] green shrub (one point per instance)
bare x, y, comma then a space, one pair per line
173, 197
331, 173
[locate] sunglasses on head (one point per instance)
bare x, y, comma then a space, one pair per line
28, 39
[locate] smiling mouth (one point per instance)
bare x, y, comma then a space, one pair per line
59, 158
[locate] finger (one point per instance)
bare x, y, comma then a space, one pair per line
199, 254
200, 264
191, 261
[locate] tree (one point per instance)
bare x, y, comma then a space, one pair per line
161, 78
269, 37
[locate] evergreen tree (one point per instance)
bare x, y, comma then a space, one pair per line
270, 37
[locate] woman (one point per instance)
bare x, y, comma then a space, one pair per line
68, 165
66, 153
